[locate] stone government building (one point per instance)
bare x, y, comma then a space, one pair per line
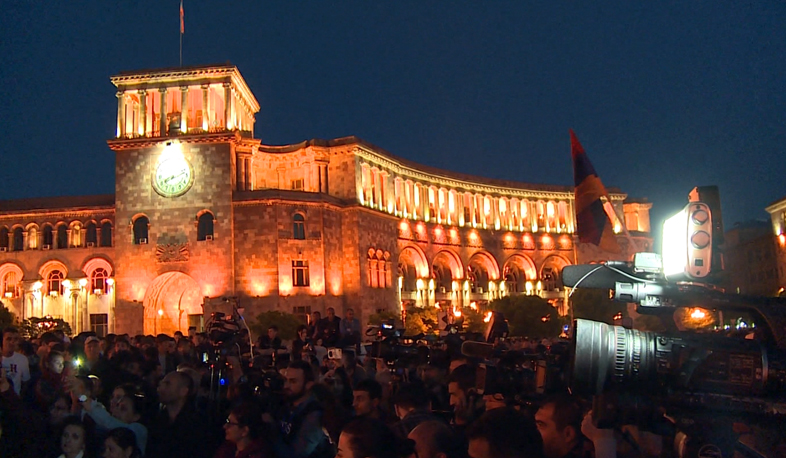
205, 215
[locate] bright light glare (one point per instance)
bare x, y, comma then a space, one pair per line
698, 314
457, 313
488, 317
675, 244
160, 312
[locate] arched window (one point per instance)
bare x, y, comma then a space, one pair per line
32, 238
106, 234
141, 230
298, 226
205, 227
19, 240
54, 283
9, 285
91, 234
62, 236
49, 237
4, 238
98, 280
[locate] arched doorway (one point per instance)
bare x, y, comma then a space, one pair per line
169, 300
551, 272
517, 271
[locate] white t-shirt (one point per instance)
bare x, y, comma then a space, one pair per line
17, 369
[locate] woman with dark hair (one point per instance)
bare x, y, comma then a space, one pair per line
121, 443
127, 405
244, 433
75, 439
368, 438
52, 380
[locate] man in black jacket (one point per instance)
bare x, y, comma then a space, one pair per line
178, 430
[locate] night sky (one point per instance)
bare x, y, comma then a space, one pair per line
663, 96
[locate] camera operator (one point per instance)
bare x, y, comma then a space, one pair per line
300, 425
504, 433
559, 422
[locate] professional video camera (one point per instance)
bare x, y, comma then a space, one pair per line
704, 380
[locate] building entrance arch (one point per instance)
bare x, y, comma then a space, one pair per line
169, 300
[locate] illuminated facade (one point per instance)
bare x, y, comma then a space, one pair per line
204, 215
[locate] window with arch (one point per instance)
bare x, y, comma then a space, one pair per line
48, 235
141, 226
106, 234
91, 234
98, 280
10, 285
76, 235
4, 237
298, 226
32, 239
54, 282
62, 236
18, 240
205, 227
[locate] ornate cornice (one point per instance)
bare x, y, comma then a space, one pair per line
445, 181
119, 144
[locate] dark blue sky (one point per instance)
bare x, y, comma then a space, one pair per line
663, 96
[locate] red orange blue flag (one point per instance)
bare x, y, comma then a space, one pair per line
182, 19
593, 223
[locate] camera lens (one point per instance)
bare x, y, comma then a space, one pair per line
606, 354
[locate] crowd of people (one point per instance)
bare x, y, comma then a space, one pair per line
187, 396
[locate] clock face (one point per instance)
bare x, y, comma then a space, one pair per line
173, 177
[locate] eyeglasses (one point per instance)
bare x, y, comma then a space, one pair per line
232, 423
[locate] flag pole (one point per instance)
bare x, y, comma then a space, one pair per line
182, 29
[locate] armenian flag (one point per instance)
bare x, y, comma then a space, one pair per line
593, 224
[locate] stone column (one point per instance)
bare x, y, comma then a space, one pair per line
162, 127
205, 108
227, 106
184, 109
142, 112
247, 169
121, 114
240, 165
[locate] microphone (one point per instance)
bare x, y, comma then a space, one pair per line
597, 276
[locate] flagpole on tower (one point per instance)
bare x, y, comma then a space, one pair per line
182, 30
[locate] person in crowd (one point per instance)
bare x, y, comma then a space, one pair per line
367, 398
434, 439
121, 443
244, 434
368, 438
127, 405
354, 372
52, 379
186, 352
16, 366
331, 326
412, 406
334, 414
463, 398
74, 439
559, 422
270, 341
349, 328
504, 433
178, 430
22, 430
166, 353
315, 330
301, 427
121, 345
178, 335
93, 362
300, 343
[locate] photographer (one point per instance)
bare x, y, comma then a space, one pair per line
301, 432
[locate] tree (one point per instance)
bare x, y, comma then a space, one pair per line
382, 316
596, 305
423, 320
287, 324
6, 317
32, 328
529, 316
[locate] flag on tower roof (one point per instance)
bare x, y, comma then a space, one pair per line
593, 223
182, 19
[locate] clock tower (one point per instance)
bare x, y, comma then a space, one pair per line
183, 146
